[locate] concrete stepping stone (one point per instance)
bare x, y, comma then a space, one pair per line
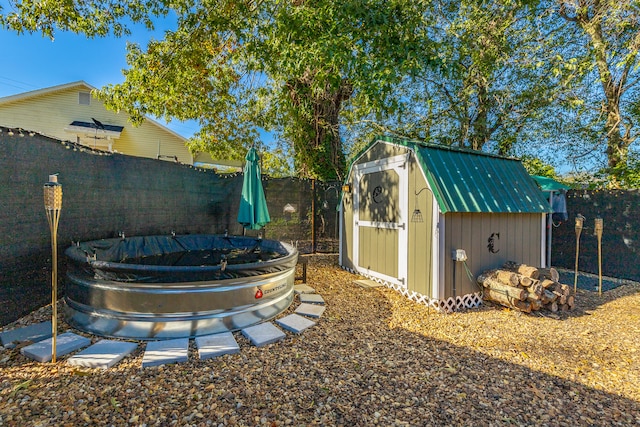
294, 323
33, 333
216, 345
263, 334
65, 344
311, 310
164, 352
303, 289
311, 298
103, 354
366, 283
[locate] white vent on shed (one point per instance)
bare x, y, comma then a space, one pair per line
84, 98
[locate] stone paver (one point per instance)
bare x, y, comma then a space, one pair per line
164, 352
303, 289
216, 345
311, 299
33, 333
294, 323
263, 334
311, 310
103, 354
366, 283
65, 344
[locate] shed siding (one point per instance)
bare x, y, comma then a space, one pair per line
50, 113
519, 240
381, 150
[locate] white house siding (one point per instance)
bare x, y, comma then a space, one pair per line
49, 113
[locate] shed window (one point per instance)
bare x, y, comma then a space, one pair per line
84, 98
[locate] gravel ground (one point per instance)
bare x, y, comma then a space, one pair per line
374, 358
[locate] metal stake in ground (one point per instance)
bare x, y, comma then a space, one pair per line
53, 206
598, 228
579, 222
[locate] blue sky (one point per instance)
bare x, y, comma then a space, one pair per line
31, 62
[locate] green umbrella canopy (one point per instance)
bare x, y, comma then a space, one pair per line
253, 213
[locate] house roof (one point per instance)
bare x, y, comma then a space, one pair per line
473, 181
80, 84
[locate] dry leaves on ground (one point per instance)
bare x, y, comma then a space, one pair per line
373, 358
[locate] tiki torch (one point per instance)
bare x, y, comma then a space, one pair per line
53, 205
598, 228
579, 223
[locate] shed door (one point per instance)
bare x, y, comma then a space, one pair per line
380, 218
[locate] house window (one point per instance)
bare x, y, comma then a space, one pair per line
84, 98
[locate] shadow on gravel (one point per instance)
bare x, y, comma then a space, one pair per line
350, 369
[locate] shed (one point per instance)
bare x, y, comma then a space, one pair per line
427, 219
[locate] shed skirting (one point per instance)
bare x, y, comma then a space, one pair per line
448, 305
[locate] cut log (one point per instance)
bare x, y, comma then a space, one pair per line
526, 281
532, 296
562, 299
552, 306
525, 270
560, 289
536, 304
535, 288
549, 273
547, 283
499, 297
571, 302
499, 287
507, 277
548, 297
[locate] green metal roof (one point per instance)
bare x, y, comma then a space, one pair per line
473, 181
549, 184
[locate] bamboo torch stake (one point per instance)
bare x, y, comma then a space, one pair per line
599, 227
579, 222
52, 206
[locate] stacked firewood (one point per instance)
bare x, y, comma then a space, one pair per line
526, 288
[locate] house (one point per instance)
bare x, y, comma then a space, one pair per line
69, 112
427, 219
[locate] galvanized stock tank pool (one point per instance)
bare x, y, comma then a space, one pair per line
162, 287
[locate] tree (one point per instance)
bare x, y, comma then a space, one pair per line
239, 66
612, 32
494, 78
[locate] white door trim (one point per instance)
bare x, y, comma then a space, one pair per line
400, 165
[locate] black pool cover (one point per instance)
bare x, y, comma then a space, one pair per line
185, 258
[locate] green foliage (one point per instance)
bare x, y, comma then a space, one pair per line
622, 176
536, 166
288, 67
97, 18
276, 163
554, 78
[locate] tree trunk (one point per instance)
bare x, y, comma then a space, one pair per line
318, 148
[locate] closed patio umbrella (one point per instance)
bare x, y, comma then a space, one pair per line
253, 213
